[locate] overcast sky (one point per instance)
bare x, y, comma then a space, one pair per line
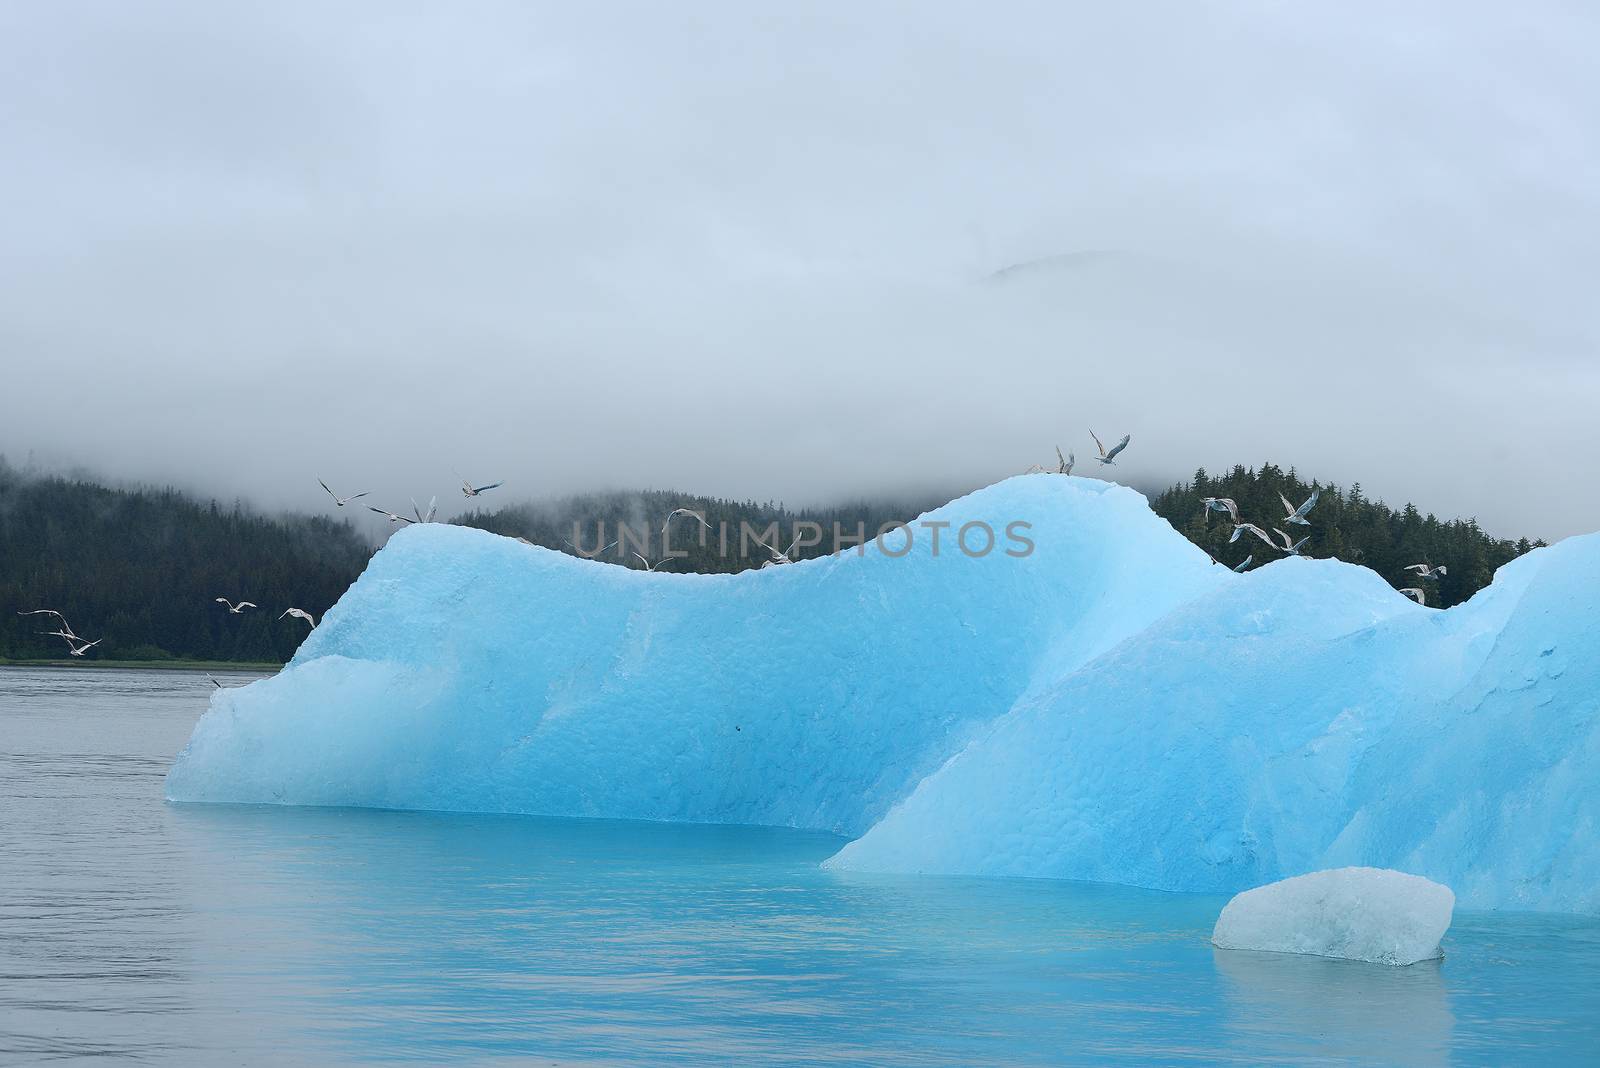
752, 249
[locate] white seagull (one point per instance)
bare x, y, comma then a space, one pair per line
393, 518
1424, 571
1294, 549
1066, 461
1110, 457
648, 566
299, 614
1220, 504
1298, 515
66, 628
1240, 528
581, 552
1415, 594
79, 650
235, 609
433, 507
469, 490
342, 501
676, 512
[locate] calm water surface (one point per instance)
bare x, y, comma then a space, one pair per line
131, 929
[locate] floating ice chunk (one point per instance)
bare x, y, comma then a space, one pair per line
1370, 914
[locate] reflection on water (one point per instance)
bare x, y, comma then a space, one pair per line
255, 935
1272, 997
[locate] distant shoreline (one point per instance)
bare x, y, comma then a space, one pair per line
148, 665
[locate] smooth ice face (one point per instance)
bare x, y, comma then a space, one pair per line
465, 671
1303, 718
1368, 914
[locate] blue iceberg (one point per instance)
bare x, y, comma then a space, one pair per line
1110, 707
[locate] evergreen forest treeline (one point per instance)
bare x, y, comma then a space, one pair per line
139, 567
1345, 525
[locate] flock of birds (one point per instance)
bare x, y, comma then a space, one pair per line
77, 645
1292, 517
1290, 547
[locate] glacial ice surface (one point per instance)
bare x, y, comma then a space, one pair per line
1367, 914
467, 671
1112, 707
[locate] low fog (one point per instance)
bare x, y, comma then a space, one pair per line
802, 254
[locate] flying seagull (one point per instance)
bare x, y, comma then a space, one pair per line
1298, 515
1066, 462
1415, 594
214, 681
433, 507
1294, 549
469, 490
393, 518
1220, 504
581, 552
235, 609
66, 628
1110, 457
676, 512
1424, 571
79, 650
342, 501
299, 614
648, 566
1240, 528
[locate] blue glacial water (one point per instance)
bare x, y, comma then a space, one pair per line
131, 929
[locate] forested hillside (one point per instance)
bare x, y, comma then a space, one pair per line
139, 568
1345, 525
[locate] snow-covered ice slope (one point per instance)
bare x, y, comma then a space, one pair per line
1112, 707
468, 671
1368, 914
1304, 717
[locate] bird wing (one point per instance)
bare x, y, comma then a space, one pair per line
248, 604
490, 486
643, 561
1096, 437
224, 600
1285, 537
1420, 569
1287, 507
1441, 570
1119, 446
45, 612
1244, 563
1311, 502
1299, 543
324, 485
353, 496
